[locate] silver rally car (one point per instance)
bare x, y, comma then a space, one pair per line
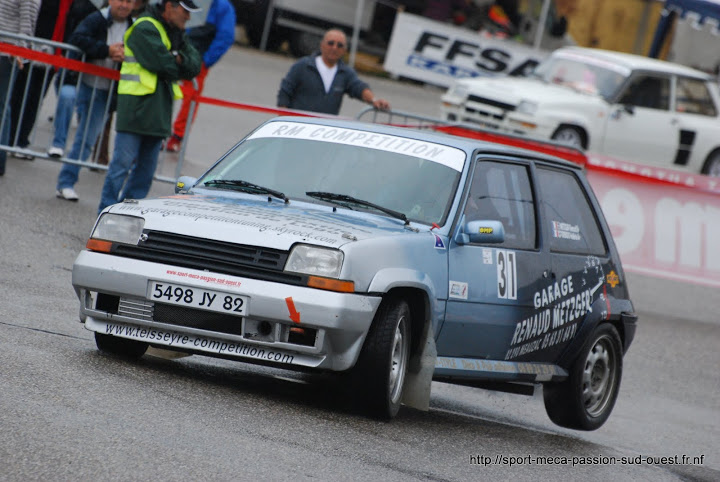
392, 256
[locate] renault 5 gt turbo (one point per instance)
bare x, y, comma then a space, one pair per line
391, 256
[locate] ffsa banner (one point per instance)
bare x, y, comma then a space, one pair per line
439, 53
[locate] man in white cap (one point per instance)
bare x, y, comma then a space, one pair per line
157, 55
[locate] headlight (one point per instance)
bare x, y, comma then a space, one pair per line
459, 90
315, 261
119, 229
527, 107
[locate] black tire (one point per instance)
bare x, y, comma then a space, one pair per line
121, 347
570, 136
382, 366
712, 165
584, 401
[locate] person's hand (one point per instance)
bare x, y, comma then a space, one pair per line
20, 63
116, 52
381, 104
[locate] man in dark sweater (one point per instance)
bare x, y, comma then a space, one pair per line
318, 82
56, 21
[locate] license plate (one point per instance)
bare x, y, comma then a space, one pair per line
198, 298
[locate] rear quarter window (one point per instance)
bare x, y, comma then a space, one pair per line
569, 216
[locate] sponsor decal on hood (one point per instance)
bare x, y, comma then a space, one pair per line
259, 223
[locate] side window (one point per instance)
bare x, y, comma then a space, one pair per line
573, 226
647, 91
693, 97
502, 192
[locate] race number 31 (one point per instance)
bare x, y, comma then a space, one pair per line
506, 275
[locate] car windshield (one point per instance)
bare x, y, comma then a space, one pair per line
409, 176
583, 74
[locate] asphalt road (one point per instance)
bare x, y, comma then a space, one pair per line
67, 412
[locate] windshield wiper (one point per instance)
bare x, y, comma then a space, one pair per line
345, 199
245, 186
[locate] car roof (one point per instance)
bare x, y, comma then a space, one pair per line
470, 146
636, 62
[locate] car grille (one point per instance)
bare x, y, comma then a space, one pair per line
487, 112
203, 320
210, 255
140, 309
495, 103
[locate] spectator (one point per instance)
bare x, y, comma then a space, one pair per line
56, 20
211, 40
319, 81
162, 55
101, 148
100, 36
19, 17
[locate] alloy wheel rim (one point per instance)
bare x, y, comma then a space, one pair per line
569, 138
398, 360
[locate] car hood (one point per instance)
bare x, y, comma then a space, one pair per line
512, 90
259, 223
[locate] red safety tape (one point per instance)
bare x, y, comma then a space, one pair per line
569, 154
59, 61
566, 153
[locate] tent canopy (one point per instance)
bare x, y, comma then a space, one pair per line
704, 10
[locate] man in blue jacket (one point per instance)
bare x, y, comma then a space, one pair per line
211, 40
318, 82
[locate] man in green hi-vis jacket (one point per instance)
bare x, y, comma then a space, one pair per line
157, 55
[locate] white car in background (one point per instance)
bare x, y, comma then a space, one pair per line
621, 105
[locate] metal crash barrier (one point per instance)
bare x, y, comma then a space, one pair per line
48, 65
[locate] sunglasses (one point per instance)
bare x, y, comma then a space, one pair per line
332, 43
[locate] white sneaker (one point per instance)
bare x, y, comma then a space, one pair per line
55, 152
67, 193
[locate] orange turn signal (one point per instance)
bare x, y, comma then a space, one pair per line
331, 284
98, 245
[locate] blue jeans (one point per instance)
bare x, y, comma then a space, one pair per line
6, 82
63, 114
91, 110
129, 147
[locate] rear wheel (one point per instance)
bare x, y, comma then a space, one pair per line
382, 365
121, 347
570, 136
584, 401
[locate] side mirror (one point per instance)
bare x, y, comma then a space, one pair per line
184, 183
629, 108
483, 232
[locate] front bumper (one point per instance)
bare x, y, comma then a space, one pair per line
498, 120
114, 295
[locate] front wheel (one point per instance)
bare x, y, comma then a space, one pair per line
584, 401
569, 136
383, 361
712, 165
121, 347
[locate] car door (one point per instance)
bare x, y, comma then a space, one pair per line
641, 126
697, 116
491, 286
579, 256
